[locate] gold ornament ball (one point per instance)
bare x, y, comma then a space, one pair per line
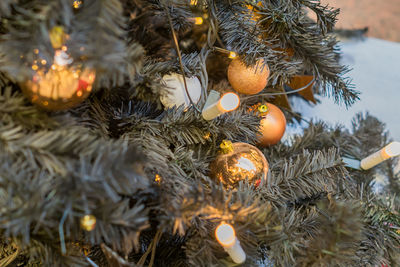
272, 126
88, 222
238, 162
59, 86
248, 80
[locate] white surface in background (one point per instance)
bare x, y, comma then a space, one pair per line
376, 74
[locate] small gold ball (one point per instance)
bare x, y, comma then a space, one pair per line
88, 222
248, 80
77, 4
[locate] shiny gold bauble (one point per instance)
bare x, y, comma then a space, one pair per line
272, 126
238, 162
59, 86
248, 80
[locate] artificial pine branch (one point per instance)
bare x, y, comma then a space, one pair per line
307, 175
143, 171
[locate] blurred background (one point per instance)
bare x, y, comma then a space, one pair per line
374, 57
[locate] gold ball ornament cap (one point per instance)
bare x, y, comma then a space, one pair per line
238, 162
272, 126
248, 80
57, 37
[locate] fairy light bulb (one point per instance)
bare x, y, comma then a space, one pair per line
228, 102
88, 222
393, 149
226, 236
389, 151
196, 20
232, 55
77, 4
157, 179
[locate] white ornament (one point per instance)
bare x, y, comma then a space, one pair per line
389, 151
176, 95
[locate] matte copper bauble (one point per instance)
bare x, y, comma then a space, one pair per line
237, 162
272, 126
248, 80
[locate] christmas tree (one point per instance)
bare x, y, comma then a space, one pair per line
148, 133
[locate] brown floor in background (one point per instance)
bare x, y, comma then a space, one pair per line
381, 16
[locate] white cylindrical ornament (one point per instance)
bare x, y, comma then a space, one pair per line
212, 98
176, 95
226, 236
228, 102
389, 151
236, 252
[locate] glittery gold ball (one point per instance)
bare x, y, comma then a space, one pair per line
243, 161
248, 80
88, 222
59, 86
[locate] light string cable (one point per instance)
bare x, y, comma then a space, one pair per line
178, 51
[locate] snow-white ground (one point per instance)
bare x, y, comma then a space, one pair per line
375, 72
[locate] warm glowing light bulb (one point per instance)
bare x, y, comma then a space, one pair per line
158, 178
88, 222
198, 20
393, 149
225, 234
229, 101
232, 55
77, 4
193, 2
389, 151
207, 136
